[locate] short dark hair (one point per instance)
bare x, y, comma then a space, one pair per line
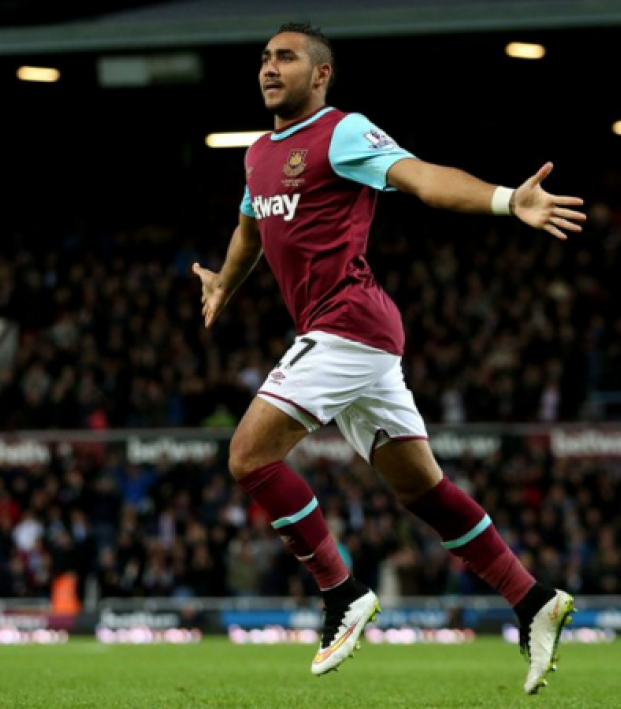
320, 48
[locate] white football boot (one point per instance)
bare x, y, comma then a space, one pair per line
343, 625
539, 639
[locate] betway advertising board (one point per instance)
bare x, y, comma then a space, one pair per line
171, 446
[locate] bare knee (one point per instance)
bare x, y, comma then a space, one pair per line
243, 458
248, 452
409, 467
408, 491
264, 435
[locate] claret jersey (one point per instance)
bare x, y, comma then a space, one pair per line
313, 188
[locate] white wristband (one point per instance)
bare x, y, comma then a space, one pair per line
501, 200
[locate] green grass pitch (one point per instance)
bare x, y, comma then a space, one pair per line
83, 674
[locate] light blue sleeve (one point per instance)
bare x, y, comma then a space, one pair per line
246, 204
360, 151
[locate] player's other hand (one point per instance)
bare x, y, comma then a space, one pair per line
541, 210
213, 296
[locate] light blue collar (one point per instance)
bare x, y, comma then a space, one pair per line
298, 126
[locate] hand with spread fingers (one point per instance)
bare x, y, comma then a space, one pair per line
553, 213
213, 296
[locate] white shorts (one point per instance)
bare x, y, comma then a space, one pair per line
324, 377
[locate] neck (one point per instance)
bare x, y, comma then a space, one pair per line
313, 107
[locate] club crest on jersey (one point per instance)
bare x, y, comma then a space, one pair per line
296, 163
379, 139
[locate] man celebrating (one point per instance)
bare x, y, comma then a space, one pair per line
311, 189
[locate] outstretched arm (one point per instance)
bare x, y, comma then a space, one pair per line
242, 256
454, 189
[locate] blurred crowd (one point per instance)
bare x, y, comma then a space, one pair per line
186, 530
103, 330
109, 329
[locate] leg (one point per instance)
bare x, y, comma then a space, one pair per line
319, 376
465, 528
263, 439
264, 435
261, 442
409, 466
467, 531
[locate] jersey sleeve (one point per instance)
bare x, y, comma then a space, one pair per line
246, 204
362, 152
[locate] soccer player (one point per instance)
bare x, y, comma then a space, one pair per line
311, 189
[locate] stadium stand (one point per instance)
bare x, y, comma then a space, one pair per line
100, 330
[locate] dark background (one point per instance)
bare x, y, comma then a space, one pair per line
96, 175
75, 150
